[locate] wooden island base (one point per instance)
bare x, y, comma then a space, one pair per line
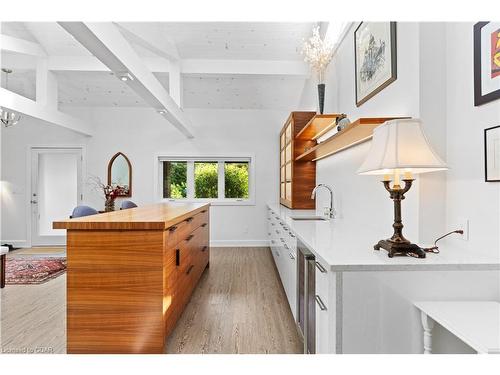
130, 275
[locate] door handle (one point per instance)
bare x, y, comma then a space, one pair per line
204, 248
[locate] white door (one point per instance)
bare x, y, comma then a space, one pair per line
56, 175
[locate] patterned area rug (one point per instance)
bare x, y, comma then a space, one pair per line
33, 270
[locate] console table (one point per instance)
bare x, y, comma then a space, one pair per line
477, 323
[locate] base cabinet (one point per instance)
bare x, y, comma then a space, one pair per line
283, 243
284, 250
126, 288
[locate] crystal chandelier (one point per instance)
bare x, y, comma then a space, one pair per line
8, 118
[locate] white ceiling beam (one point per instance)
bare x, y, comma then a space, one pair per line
250, 67
105, 41
46, 85
189, 66
175, 83
154, 42
25, 106
9, 43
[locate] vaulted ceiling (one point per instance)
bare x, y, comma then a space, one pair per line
242, 65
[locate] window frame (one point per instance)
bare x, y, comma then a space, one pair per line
220, 159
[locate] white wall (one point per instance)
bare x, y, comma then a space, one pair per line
141, 134
435, 83
14, 152
364, 196
468, 195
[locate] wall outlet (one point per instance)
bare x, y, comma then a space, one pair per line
464, 225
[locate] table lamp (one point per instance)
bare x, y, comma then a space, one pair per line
400, 149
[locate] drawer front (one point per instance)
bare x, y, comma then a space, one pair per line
200, 219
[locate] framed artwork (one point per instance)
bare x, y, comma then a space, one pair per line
492, 154
375, 58
486, 62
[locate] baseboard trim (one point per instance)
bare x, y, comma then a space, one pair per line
239, 243
17, 243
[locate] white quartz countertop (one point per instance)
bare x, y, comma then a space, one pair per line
341, 245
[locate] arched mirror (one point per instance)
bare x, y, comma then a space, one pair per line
120, 173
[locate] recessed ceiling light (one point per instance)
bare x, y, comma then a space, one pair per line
125, 76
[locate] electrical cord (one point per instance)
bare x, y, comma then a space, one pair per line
435, 249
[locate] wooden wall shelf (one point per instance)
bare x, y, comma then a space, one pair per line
355, 133
317, 126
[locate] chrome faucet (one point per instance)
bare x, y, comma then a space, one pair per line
329, 211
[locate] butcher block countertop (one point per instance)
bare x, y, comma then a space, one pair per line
159, 216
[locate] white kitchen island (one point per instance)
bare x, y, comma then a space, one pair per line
367, 295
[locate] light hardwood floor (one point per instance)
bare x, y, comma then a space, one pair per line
239, 306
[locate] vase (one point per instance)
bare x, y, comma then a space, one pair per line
321, 97
109, 205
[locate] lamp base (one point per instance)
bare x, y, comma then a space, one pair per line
400, 248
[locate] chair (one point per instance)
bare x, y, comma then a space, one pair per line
3, 254
127, 204
81, 211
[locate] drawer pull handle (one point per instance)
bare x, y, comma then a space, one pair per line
177, 257
189, 238
189, 219
286, 246
292, 235
204, 248
272, 224
277, 253
320, 267
172, 229
189, 269
320, 303
291, 256
203, 225
203, 211
277, 231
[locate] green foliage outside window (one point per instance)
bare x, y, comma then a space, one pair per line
174, 179
236, 180
205, 180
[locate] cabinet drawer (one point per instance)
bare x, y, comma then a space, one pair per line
200, 219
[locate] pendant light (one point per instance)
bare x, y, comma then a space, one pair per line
8, 118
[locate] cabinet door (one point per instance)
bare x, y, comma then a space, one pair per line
291, 260
322, 309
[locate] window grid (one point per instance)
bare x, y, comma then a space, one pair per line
221, 161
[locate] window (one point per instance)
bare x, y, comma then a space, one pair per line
174, 179
206, 179
220, 180
236, 179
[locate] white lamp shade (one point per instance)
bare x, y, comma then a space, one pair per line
401, 145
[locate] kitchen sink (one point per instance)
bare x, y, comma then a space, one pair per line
311, 218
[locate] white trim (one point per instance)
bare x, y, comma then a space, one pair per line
239, 243
17, 243
157, 191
